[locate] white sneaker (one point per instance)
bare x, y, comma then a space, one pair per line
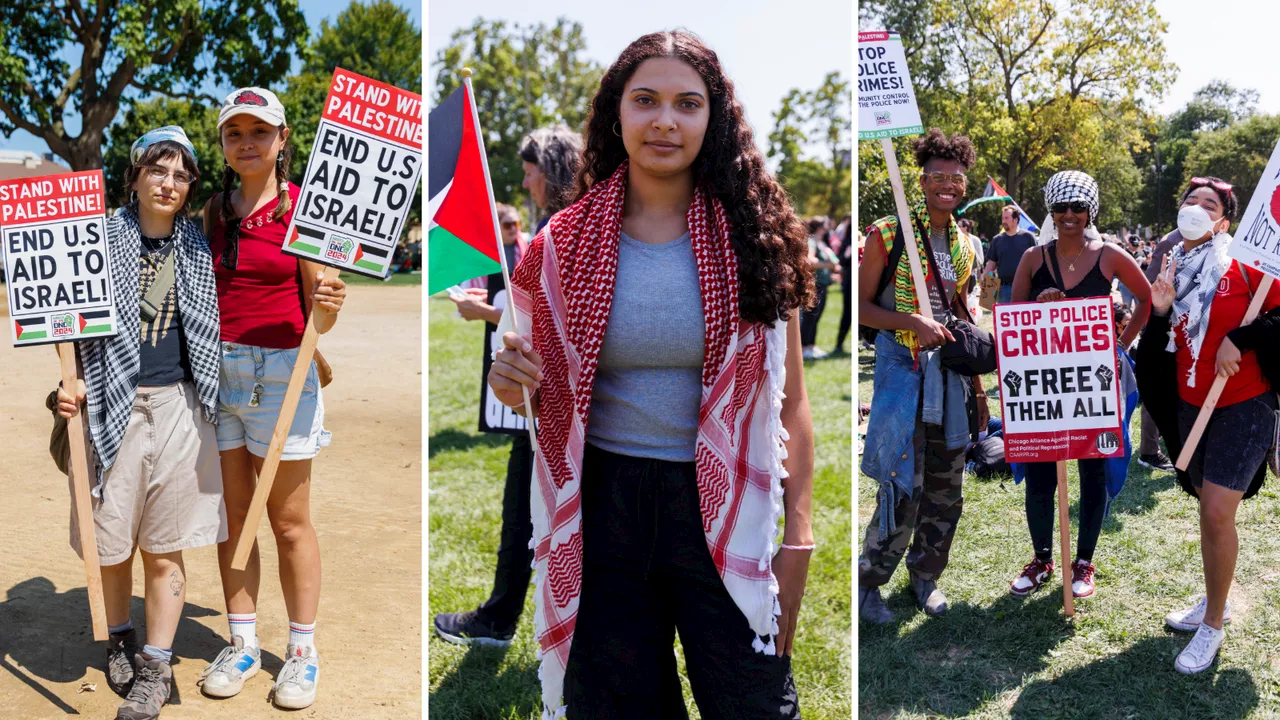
1189, 619
295, 686
1198, 655
225, 676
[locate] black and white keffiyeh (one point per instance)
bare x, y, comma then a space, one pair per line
1195, 282
1065, 187
112, 365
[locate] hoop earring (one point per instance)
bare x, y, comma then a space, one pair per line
617, 128
133, 197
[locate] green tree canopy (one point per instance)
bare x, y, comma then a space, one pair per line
198, 120
526, 77
1237, 153
121, 46
821, 118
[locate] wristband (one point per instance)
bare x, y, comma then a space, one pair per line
810, 546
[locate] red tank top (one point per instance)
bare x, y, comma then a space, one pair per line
261, 301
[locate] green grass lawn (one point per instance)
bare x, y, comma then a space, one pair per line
395, 279
465, 498
996, 656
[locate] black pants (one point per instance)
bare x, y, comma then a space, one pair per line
1042, 486
647, 573
846, 313
511, 578
809, 318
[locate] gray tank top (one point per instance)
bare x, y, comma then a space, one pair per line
648, 386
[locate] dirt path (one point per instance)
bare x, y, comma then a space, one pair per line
366, 505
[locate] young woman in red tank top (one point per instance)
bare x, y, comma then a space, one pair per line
265, 298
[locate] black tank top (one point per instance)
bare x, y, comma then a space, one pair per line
1094, 284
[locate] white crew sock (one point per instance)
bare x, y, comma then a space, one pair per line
246, 626
301, 635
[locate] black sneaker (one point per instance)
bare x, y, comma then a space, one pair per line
470, 628
1158, 461
121, 649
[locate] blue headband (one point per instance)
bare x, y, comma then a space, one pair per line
170, 133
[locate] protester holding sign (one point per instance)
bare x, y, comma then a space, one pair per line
265, 298
1073, 262
664, 367
152, 403
1199, 300
550, 157
920, 411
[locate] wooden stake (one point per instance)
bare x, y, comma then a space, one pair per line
84, 502
908, 228
306, 351
1219, 382
1064, 540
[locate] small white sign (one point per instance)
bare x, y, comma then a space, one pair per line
1257, 239
886, 98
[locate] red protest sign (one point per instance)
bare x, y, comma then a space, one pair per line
51, 198
1059, 386
364, 104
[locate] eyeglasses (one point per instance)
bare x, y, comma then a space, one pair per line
510, 224
1075, 207
1198, 182
158, 174
941, 178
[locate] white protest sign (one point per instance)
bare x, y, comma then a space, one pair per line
361, 177
1257, 240
54, 235
886, 98
1060, 393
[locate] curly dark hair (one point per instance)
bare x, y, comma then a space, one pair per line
1230, 203
774, 277
937, 145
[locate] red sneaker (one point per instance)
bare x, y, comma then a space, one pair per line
1034, 574
1082, 578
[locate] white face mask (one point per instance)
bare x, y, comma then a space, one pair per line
1194, 223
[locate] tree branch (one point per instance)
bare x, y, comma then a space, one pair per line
197, 97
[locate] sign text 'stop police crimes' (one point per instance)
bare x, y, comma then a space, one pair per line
886, 99
1060, 393
361, 178
53, 234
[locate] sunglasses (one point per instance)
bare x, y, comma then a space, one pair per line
941, 178
1199, 182
508, 225
1075, 207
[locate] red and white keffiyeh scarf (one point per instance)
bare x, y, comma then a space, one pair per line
563, 291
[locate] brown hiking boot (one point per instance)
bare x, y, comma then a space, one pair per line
151, 689
121, 649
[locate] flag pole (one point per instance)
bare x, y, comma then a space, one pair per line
1014, 202
497, 236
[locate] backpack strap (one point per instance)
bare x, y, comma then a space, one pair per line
149, 305
895, 256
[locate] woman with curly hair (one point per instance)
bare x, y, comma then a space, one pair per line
662, 357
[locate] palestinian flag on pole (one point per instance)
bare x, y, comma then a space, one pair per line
462, 242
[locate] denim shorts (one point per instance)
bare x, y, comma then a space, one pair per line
243, 425
1234, 444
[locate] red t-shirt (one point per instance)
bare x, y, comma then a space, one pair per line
1225, 314
261, 301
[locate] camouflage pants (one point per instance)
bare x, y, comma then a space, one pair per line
932, 512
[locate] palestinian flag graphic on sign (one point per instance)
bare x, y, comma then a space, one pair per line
462, 242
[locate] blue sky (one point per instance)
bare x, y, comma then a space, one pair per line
767, 47
315, 12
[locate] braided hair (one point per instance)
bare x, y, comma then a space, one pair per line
231, 222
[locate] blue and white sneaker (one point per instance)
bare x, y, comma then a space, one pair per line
225, 677
296, 684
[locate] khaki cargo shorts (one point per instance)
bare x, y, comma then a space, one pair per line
164, 491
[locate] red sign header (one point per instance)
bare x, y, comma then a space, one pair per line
51, 198
374, 107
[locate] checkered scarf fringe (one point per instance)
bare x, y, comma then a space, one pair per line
1194, 286
112, 365
563, 291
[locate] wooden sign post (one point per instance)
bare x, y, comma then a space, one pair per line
54, 236
1255, 247
360, 181
1064, 540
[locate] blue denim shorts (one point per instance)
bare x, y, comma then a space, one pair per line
243, 425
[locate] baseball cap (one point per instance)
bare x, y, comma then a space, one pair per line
258, 102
